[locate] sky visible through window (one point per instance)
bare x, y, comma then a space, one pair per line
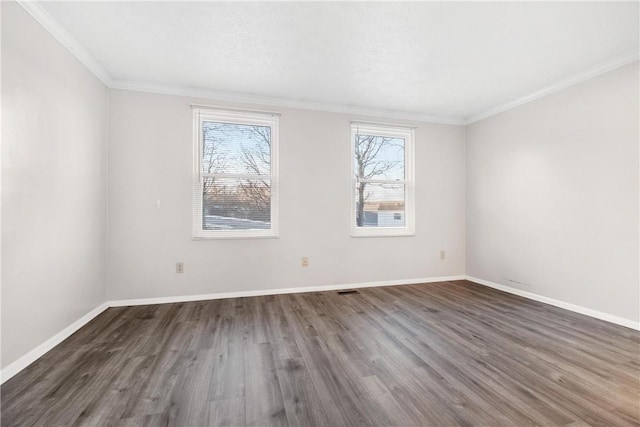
384, 158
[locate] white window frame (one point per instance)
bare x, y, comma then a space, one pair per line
201, 115
391, 131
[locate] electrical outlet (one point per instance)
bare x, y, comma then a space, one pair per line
305, 261
443, 254
179, 267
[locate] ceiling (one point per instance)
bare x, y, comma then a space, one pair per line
450, 61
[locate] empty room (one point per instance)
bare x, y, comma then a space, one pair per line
316, 213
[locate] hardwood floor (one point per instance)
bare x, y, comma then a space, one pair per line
439, 354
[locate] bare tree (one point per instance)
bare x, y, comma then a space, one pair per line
213, 161
256, 159
369, 166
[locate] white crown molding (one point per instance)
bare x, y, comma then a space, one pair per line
76, 49
51, 25
26, 360
604, 67
561, 304
280, 291
42, 16
279, 102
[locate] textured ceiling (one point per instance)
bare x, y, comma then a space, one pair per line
445, 59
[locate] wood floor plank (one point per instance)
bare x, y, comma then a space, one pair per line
227, 375
299, 395
439, 354
264, 404
227, 413
191, 388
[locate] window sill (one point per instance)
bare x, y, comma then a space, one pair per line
234, 236
386, 233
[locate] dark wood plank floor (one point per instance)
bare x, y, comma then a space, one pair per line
440, 354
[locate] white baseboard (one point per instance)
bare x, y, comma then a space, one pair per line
557, 303
43, 348
40, 350
24, 361
203, 297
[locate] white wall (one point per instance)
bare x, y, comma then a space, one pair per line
150, 155
54, 115
552, 195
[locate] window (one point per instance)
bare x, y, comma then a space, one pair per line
235, 174
382, 198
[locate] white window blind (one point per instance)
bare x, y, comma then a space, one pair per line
235, 174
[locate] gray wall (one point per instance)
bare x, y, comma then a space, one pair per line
552, 195
150, 159
54, 115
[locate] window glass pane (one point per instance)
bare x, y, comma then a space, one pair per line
236, 204
378, 157
234, 148
380, 205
